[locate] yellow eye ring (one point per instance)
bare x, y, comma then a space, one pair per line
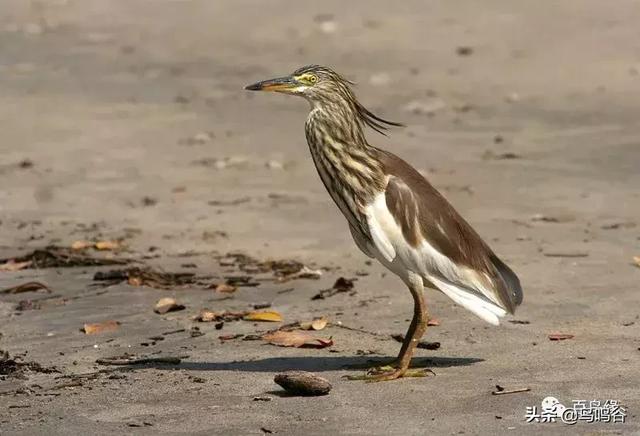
313, 79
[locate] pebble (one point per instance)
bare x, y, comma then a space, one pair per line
303, 383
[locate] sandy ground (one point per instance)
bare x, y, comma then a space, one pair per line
128, 119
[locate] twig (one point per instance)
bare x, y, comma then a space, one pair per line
173, 332
512, 391
568, 254
70, 384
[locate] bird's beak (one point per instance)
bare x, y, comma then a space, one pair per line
280, 84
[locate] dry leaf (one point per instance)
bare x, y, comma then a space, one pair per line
81, 245
25, 287
107, 245
167, 304
296, 338
12, 265
101, 327
433, 322
316, 324
207, 315
59, 257
560, 336
341, 285
136, 276
304, 273
230, 337
267, 315
226, 288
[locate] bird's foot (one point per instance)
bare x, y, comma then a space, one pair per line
385, 373
373, 364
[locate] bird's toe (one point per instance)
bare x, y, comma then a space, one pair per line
387, 373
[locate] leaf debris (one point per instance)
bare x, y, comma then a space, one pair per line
59, 257
560, 336
136, 276
100, 327
266, 315
296, 338
341, 285
26, 287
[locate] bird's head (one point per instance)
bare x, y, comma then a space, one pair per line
323, 87
317, 84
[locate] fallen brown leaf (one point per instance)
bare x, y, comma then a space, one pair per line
282, 270
59, 257
25, 287
433, 322
12, 265
101, 327
560, 336
340, 285
296, 338
167, 304
230, 337
266, 315
146, 277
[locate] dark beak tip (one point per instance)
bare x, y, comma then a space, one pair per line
254, 87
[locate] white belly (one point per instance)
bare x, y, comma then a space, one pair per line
461, 284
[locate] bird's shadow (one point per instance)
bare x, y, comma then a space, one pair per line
313, 364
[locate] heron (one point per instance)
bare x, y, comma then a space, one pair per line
394, 214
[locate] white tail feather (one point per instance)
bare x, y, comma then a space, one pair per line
482, 308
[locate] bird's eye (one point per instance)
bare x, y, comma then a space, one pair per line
312, 79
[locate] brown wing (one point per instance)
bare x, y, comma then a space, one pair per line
410, 196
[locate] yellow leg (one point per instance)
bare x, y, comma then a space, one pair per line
400, 367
